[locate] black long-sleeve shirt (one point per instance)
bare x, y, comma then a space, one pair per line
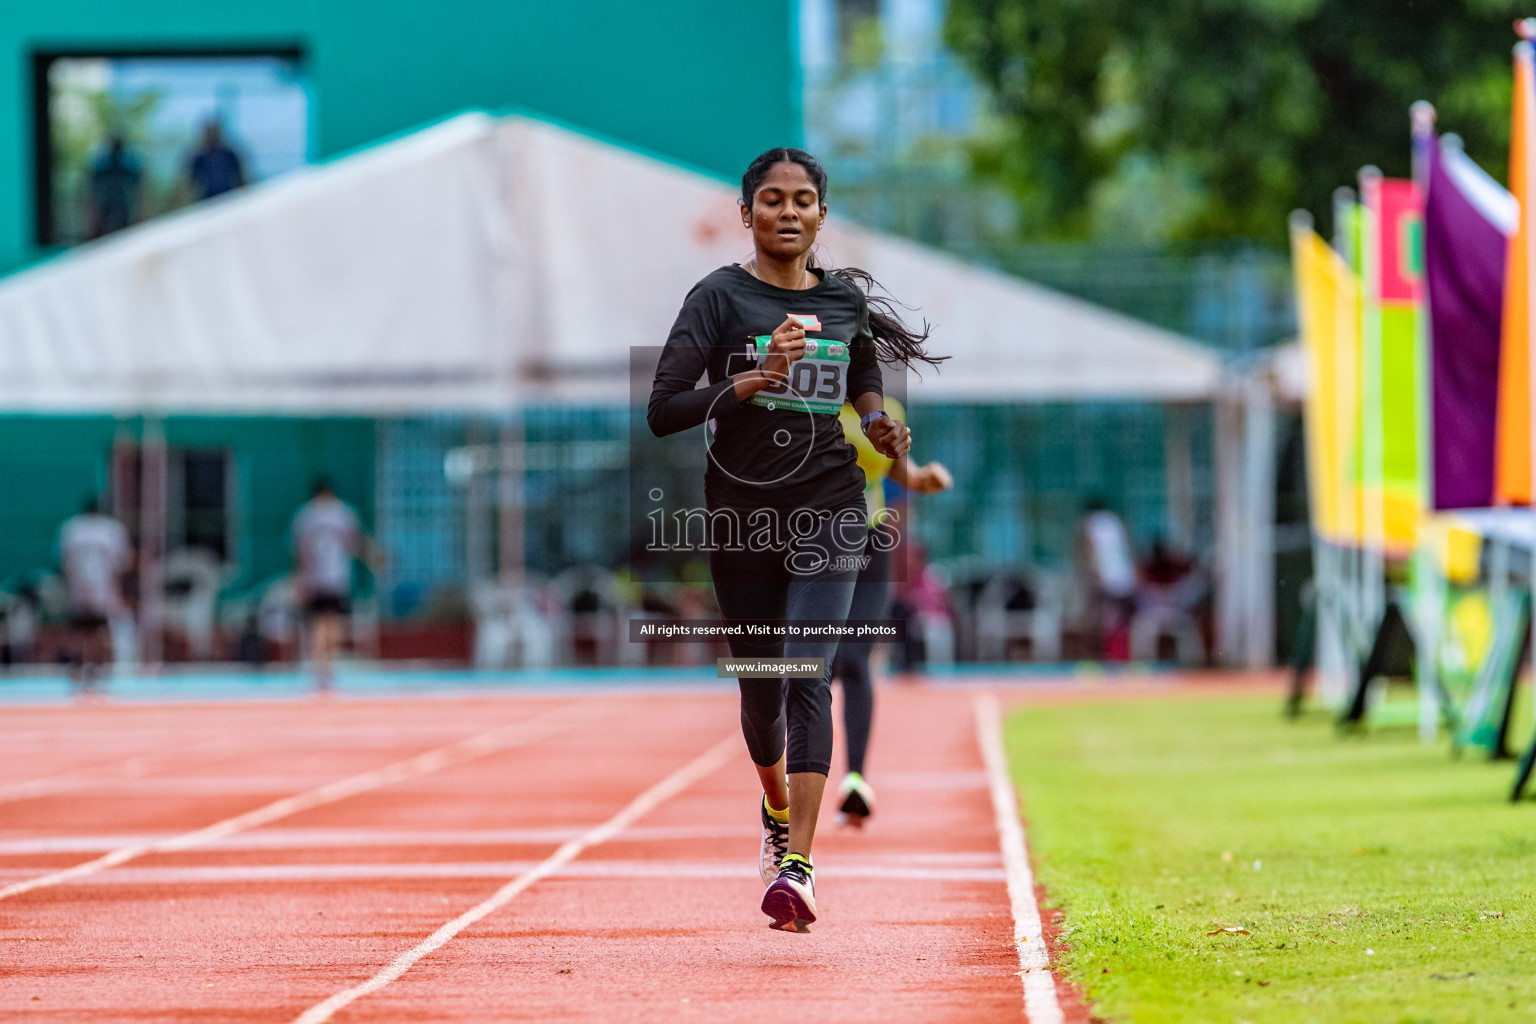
783, 458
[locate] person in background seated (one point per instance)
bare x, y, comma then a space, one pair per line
1107, 567
326, 538
1166, 571
1171, 590
94, 553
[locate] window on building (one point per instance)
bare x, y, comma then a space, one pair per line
199, 497
198, 509
123, 136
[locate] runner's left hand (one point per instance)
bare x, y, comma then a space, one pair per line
930, 479
891, 438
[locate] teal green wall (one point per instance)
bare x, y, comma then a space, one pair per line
276, 463
702, 82
49, 464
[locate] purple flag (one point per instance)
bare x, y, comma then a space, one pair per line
1467, 220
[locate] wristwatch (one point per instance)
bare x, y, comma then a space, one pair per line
867, 420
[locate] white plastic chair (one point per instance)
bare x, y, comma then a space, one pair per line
511, 630
193, 579
600, 626
998, 626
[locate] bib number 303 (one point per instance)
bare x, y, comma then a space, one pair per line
817, 383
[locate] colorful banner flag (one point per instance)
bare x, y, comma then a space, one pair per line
1328, 298
1512, 461
1392, 278
1468, 219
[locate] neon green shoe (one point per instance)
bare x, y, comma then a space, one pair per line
858, 800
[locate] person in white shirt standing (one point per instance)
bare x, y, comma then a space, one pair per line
327, 537
94, 552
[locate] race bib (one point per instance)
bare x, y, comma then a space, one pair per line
817, 383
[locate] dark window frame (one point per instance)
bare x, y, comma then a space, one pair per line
42, 59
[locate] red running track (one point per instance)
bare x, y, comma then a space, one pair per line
266, 916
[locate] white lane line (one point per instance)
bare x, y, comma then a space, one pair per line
126, 770
619, 869
195, 785
1040, 1004
637, 808
538, 727
327, 838
343, 838
132, 770
301, 727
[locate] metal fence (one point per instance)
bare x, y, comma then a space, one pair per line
441, 484
1022, 476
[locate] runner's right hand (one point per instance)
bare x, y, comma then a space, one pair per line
786, 346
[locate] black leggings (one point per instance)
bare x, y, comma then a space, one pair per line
871, 600
787, 715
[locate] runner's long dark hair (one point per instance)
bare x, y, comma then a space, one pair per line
895, 342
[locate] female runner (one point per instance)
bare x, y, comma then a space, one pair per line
784, 491
871, 600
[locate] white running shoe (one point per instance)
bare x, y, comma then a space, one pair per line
775, 842
791, 900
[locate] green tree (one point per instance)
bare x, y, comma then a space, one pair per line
82, 119
1215, 118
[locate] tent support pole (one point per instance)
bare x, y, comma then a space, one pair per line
477, 510
1179, 476
1259, 524
509, 522
153, 467
1229, 530
1245, 472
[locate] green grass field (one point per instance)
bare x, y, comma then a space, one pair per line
1379, 880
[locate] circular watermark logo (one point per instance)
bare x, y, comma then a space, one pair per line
781, 438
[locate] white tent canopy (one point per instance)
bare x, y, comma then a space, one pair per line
485, 262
